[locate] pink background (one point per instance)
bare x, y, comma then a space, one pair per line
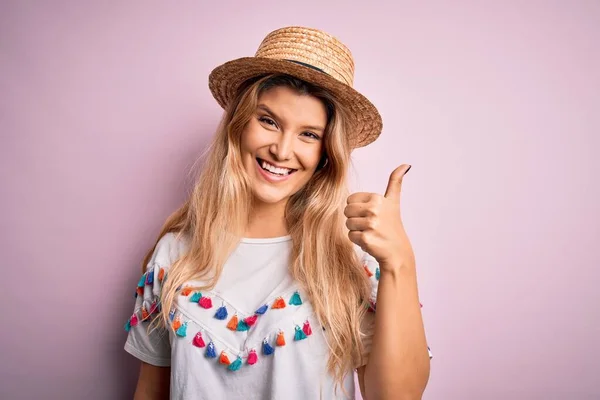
104, 106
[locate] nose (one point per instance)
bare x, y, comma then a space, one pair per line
282, 148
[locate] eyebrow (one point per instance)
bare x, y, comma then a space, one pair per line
312, 127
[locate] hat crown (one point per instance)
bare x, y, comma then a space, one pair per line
312, 47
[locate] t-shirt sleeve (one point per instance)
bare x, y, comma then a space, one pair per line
147, 340
371, 267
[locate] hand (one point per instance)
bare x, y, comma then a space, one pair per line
376, 226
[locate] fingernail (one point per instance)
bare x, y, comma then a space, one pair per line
409, 167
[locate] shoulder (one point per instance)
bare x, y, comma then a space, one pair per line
169, 248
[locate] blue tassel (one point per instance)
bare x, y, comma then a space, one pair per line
296, 300
142, 281
377, 273
237, 364
266, 348
196, 297
150, 277
299, 335
172, 315
135, 295
262, 310
221, 313
182, 330
242, 326
127, 326
210, 350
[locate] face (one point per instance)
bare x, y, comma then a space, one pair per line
282, 144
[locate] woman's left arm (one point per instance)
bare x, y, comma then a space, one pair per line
398, 364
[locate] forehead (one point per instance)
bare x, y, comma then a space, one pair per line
292, 107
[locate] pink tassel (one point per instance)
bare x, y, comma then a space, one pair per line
205, 302
198, 341
251, 320
307, 329
134, 320
252, 357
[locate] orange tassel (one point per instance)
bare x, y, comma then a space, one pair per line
223, 359
369, 273
280, 339
140, 291
233, 323
186, 291
145, 314
278, 303
176, 324
161, 274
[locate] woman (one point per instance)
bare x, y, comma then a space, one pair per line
263, 284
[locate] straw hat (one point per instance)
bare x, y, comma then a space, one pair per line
313, 56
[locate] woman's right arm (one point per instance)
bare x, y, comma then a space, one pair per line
153, 383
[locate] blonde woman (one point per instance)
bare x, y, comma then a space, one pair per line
271, 281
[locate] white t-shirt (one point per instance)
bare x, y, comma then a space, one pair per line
213, 357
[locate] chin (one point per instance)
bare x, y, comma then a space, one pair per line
270, 197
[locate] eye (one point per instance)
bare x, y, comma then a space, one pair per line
267, 121
311, 135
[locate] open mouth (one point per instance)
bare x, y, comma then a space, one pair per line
271, 169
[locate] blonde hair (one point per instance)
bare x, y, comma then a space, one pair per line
323, 260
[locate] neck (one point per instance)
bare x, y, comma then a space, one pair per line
267, 221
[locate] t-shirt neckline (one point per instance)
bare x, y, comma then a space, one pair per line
267, 240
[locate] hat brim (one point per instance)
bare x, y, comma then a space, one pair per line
366, 122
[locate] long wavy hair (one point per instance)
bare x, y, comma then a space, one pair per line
214, 217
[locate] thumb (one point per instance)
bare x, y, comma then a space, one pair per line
395, 184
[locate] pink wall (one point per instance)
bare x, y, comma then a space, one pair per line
105, 106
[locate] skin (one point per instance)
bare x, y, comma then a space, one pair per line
279, 134
398, 365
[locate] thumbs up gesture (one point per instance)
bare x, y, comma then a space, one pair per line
376, 226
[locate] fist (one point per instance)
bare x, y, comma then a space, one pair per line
376, 226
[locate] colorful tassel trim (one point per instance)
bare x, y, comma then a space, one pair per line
236, 365
145, 314
368, 271
142, 281
150, 277
299, 334
186, 291
251, 320
278, 303
176, 324
205, 302
153, 307
127, 326
221, 313
223, 359
252, 357
377, 273
161, 274
296, 300
196, 297
198, 340
233, 323
182, 330
280, 339
172, 315
140, 291
242, 326
210, 350
307, 329
133, 321
262, 310
267, 349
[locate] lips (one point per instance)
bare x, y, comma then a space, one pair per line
274, 169
270, 176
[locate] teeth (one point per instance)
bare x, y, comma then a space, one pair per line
275, 170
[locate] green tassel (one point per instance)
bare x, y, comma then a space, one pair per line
127, 326
377, 273
182, 330
196, 297
236, 365
296, 300
242, 326
299, 335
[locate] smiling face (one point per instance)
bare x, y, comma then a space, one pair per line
282, 144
